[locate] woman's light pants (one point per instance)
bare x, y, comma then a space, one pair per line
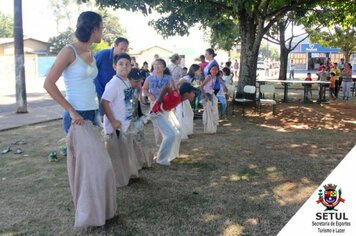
169, 148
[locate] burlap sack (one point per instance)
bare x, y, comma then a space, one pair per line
91, 176
123, 157
143, 155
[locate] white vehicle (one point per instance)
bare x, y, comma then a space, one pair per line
260, 65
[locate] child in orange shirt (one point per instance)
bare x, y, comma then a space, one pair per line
332, 85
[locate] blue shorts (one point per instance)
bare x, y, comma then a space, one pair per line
87, 115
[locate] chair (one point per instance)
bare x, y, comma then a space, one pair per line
248, 89
270, 91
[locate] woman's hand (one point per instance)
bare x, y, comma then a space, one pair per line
116, 124
76, 118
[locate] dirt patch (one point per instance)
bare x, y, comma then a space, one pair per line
247, 179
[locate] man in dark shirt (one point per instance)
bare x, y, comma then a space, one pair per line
104, 62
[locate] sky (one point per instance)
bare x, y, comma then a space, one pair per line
39, 23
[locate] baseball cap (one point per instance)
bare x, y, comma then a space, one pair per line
135, 74
185, 88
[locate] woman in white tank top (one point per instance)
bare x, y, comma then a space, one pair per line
90, 171
77, 65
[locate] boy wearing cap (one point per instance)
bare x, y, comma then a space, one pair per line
136, 128
117, 104
168, 99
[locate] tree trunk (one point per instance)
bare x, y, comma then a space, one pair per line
347, 55
251, 39
283, 62
284, 51
21, 100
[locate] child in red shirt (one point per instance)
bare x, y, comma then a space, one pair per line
308, 88
168, 99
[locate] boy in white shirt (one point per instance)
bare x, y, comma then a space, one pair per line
117, 104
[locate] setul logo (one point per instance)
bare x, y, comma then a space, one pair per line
330, 198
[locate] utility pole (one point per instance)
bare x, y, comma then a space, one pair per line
21, 98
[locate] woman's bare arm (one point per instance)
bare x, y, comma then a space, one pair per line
64, 59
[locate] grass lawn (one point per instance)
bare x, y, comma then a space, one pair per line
248, 179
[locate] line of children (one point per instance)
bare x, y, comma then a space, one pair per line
94, 169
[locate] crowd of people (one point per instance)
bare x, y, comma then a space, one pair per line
108, 94
338, 74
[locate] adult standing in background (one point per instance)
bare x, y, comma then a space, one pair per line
90, 172
291, 70
145, 72
210, 55
175, 68
336, 70
266, 66
236, 70
341, 66
104, 62
346, 81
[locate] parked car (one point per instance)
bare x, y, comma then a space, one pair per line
260, 65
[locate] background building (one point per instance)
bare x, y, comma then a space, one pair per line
308, 56
37, 58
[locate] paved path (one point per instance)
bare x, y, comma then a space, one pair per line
40, 106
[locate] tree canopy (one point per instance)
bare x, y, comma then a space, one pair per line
112, 30
230, 21
336, 37
6, 26
339, 26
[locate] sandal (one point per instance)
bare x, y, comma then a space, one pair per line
52, 156
63, 150
6, 150
18, 151
18, 142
